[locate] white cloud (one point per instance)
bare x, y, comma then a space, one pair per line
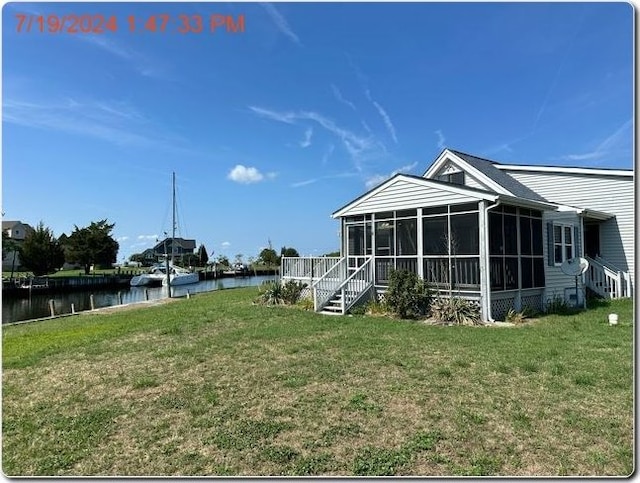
148, 237
281, 22
225, 244
122, 239
245, 175
441, 139
306, 142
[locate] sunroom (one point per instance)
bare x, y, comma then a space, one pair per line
464, 241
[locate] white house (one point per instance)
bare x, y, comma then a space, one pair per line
16, 231
489, 232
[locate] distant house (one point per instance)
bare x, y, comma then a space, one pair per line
175, 247
494, 233
16, 231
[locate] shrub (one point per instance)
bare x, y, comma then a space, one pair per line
277, 293
455, 310
408, 295
291, 291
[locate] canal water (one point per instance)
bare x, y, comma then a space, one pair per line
37, 305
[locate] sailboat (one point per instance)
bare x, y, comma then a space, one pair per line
177, 275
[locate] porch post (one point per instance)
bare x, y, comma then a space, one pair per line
485, 291
419, 241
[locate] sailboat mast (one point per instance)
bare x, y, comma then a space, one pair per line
173, 217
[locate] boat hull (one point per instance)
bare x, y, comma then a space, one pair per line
183, 279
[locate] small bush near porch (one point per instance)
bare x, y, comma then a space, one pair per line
216, 385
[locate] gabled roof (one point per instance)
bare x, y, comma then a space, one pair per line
487, 169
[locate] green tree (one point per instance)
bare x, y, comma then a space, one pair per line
268, 256
332, 254
223, 261
203, 256
41, 252
289, 252
10, 247
92, 245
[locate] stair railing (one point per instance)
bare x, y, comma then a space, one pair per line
326, 286
604, 281
356, 285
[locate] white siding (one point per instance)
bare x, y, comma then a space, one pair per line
555, 281
403, 195
610, 194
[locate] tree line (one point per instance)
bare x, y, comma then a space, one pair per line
42, 253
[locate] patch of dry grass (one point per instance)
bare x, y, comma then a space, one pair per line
217, 386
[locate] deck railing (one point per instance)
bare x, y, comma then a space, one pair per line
606, 281
307, 269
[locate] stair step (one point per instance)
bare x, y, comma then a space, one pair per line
324, 312
333, 308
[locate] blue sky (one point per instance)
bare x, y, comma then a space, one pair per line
272, 129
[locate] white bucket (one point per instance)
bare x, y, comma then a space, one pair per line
613, 319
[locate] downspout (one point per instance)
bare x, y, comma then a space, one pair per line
487, 257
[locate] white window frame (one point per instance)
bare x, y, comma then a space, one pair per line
563, 242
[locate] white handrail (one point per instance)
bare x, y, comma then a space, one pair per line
327, 285
604, 281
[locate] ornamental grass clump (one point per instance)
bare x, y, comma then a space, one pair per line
455, 311
277, 293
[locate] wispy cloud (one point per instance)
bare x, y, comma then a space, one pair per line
359, 148
376, 179
248, 175
307, 182
619, 143
148, 237
281, 22
327, 154
139, 62
121, 239
225, 244
117, 122
441, 139
338, 95
306, 142
383, 114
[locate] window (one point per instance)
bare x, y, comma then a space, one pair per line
563, 243
454, 178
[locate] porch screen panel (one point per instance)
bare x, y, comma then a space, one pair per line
436, 271
464, 234
407, 236
435, 235
385, 238
383, 270
356, 240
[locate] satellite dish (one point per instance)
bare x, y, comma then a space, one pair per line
574, 266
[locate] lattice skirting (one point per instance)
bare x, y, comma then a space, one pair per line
533, 303
306, 293
501, 304
500, 307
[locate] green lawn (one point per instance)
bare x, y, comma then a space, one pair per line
214, 385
